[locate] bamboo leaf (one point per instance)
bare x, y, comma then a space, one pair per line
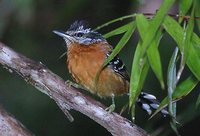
197, 13
171, 82
184, 6
152, 52
138, 75
139, 71
177, 33
189, 34
155, 24
115, 20
196, 44
121, 44
140, 57
174, 30
182, 90
119, 30
143, 75
117, 49
171, 79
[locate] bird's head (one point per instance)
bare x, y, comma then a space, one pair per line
80, 33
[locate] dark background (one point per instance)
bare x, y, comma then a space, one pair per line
27, 25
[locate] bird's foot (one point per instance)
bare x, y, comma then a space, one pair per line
75, 85
111, 108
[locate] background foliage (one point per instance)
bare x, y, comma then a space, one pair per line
27, 27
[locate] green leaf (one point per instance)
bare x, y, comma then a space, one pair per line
155, 24
197, 13
143, 75
182, 90
115, 20
140, 57
184, 6
121, 43
196, 43
138, 75
139, 72
193, 62
171, 79
171, 82
119, 30
177, 33
175, 30
195, 39
188, 38
117, 49
152, 52
142, 24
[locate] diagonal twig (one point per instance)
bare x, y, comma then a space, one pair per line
66, 97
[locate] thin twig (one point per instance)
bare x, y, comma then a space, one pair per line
147, 15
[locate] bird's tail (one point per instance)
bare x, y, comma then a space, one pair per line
149, 103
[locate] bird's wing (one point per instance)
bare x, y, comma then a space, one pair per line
118, 66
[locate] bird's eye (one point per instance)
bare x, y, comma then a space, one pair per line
79, 34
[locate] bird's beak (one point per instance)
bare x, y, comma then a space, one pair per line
62, 34
68, 38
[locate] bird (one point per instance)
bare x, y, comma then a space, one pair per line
87, 50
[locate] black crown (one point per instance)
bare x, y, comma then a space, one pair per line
77, 24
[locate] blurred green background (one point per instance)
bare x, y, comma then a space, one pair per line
27, 25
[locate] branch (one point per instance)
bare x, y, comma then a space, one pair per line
66, 97
9, 126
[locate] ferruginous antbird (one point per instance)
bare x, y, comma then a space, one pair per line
87, 50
